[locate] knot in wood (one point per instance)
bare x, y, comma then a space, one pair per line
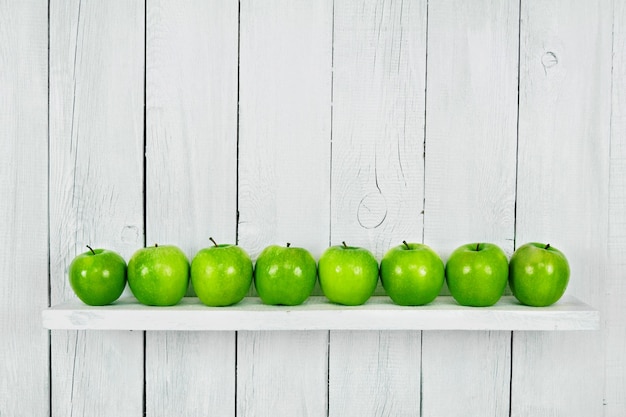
372, 210
548, 60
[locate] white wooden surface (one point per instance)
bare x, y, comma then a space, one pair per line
282, 373
374, 373
317, 313
481, 361
305, 74
190, 373
24, 360
562, 192
379, 66
191, 187
614, 309
470, 185
96, 186
379, 62
284, 126
284, 167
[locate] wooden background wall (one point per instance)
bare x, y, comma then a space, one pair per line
129, 122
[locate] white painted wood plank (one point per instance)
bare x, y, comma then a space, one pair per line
378, 123
284, 186
282, 373
284, 145
191, 141
484, 358
469, 185
96, 187
614, 309
24, 361
563, 172
556, 375
471, 124
97, 373
190, 373
374, 373
379, 65
191, 123
317, 313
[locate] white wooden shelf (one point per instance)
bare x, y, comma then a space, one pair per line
317, 313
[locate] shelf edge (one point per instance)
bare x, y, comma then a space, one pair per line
319, 314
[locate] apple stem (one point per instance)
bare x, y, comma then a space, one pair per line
477, 247
288, 244
406, 244
344, 244
547, 246
214, 242
92, 251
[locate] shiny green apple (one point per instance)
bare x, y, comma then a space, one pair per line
348, 274
221, 275
477, 274
538, 274
284, 275
412, 274
98, 276
158, 275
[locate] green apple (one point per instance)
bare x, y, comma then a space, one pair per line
538, 274
221, 274
98, 276
158, 275
348, 275
284, 275
412, 274
477, 274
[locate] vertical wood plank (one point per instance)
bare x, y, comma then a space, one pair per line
563, 172
379, 66
282, 373
374, 373
378, 123
191, 123
191, 141
615, 285
190, 373
96, 187
469, 185
284, 160
471, 123
24, 361
465, 370
285, 91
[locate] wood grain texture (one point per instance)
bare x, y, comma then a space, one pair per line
614, 397
284, 168
471, 124
563, 177
190, 373
478, 378
191, 156
191, 123
284, 130
24, 361
379, 66
469, 185
374, 373
96, 187
97, 373
282, 373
